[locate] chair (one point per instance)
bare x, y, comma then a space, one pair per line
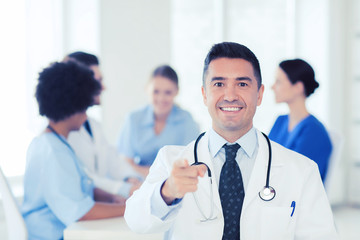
15, 223
334, 179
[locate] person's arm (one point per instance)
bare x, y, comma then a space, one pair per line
103, 196
107, 205
126, 144
104, 210
142, 170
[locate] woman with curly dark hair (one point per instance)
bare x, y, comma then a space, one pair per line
57, 192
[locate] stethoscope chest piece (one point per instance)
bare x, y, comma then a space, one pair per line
267, 193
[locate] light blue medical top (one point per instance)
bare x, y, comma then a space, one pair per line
309, 138
138, 139
245, 158
57, 192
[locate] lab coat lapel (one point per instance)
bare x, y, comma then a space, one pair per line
258, 176
204, 156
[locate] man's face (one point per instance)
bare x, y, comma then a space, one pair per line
99, 78
231, 94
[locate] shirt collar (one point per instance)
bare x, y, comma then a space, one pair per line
149, 119
247, 142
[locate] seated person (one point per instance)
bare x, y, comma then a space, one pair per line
57, 192
155, 125
101, 160
299, 130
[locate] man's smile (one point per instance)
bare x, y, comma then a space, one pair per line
230, 109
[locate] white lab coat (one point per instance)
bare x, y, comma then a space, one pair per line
293, 176
101, 160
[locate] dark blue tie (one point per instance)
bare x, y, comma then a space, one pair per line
232, 193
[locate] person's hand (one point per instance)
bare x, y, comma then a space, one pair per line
133, 180
183, 179
130, 161
134, 187
119, 199
143, 170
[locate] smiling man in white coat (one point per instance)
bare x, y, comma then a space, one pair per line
222, 196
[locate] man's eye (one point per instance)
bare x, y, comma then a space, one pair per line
242, 84
218, 84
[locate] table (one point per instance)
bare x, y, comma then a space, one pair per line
104, 229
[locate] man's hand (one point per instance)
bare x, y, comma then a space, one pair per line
183, 179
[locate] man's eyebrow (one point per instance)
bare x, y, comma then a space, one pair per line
244, 79
238, 79
217, 79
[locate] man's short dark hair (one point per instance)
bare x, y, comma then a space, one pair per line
232, 50
64, 89
84, 58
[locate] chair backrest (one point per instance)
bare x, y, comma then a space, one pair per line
333, 181
15, 223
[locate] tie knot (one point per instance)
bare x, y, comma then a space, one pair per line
231, 151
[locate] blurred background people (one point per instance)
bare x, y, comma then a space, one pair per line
102, 162
299, 130
159, 123
57, 192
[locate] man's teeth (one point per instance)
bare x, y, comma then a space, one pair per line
231, 109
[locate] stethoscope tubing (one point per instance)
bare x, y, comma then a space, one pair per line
269, 163
267, 188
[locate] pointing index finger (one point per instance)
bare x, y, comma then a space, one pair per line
181, 163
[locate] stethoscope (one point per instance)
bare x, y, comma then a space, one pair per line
266, 194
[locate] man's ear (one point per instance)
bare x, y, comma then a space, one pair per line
203, 91
260, 94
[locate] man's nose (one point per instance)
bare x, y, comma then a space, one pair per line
230, 93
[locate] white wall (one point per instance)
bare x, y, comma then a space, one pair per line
193, 34
135, 38
353, 106
31, 38
337, 91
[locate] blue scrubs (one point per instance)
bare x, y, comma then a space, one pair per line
309, 138
139, 141
57, 192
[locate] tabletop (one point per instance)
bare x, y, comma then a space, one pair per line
111, 228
